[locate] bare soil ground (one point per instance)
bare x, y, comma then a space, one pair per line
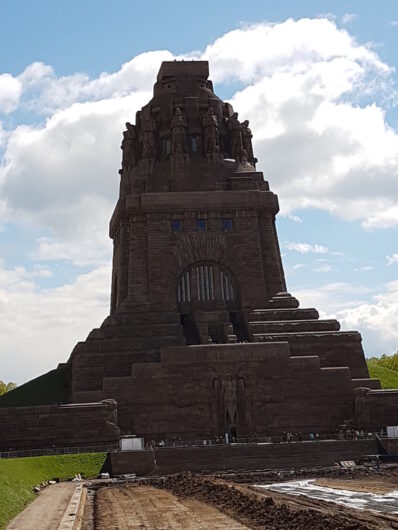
214, 502
273, 511
187, 501
149, 508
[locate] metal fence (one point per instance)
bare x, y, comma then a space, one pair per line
285, 438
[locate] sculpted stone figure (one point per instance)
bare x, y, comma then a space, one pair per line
235, 135
149, 140
129, 146
244, 165
178, 134
359, 403
210, 131
247, 141
230, 398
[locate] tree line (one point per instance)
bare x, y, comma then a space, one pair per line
388, 361
6, 387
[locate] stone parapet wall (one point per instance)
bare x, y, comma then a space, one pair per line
240, 457
59, 425
376, 407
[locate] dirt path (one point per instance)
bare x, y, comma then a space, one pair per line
149, 508
46, 511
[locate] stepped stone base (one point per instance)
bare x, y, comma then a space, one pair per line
122, 340
307, 335
204, 391
166, 389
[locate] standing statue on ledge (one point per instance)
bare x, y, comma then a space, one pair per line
247, 141
230, 399
235, 136
210, 131
178, 134
129, 147
149, 143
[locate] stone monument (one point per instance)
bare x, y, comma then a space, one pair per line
203, 337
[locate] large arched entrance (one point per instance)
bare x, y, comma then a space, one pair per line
208, 302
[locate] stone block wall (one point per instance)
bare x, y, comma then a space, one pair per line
59, 425
376, 407
263, 389
213, 458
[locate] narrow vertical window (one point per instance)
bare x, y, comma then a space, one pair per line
201, 225
226, 225
176, 225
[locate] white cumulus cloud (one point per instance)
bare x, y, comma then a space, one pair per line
305, 248
375, 316
392, 259
39, 327
10, 93
377, 320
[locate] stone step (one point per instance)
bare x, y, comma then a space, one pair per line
292, 326
142, 331
308, 335
282, 314
144, 317
115, 344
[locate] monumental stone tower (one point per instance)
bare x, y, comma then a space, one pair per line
202, 337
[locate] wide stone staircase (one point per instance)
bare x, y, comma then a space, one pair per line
110, 351
307, 334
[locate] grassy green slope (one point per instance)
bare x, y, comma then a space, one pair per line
388, 378
50, 388
18, 476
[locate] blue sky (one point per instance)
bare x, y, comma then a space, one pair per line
319, 90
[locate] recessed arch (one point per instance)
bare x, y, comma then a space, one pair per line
207, 283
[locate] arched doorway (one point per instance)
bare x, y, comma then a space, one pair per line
208, 302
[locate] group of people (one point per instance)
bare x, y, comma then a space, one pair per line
292, 437
286, 437
351, 434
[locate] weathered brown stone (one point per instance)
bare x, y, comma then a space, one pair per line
197, 261
75, 425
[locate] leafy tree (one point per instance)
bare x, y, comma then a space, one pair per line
6, 387
388, 361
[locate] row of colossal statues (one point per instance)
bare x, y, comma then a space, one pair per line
144, 145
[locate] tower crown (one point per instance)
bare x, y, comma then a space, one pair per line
183, 77
185, 138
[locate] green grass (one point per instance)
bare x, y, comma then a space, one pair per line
388, 378
48, 389
18, 476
